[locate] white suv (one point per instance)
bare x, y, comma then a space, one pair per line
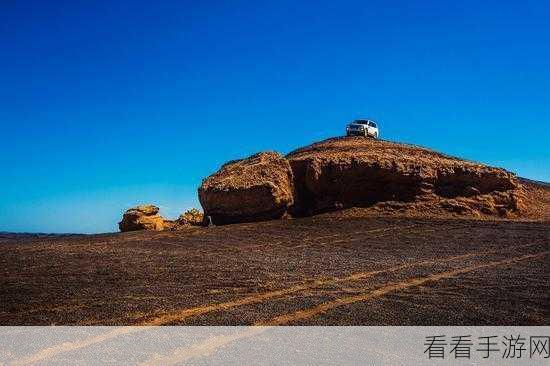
363, 127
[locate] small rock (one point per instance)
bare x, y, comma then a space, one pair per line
143, 217
192, 217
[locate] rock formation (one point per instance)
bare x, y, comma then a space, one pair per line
357, 172
253, 189
192, 217
144, 217
378, 177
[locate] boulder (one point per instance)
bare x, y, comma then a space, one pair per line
257, 188
144, 217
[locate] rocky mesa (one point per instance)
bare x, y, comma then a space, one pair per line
358, 172
345, 172
357, 176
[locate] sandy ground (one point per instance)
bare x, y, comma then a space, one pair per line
324, 270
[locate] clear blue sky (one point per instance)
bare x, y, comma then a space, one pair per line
104, 105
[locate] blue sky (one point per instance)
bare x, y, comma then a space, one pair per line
104, 106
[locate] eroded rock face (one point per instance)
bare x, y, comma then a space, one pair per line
253, 189
144, 217
359, 172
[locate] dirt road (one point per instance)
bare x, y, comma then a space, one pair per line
324, 270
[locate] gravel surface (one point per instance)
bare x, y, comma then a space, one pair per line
323, 270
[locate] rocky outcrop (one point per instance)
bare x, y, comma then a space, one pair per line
253, 189
144, 217
359, 172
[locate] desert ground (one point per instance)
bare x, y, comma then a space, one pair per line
330, 269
